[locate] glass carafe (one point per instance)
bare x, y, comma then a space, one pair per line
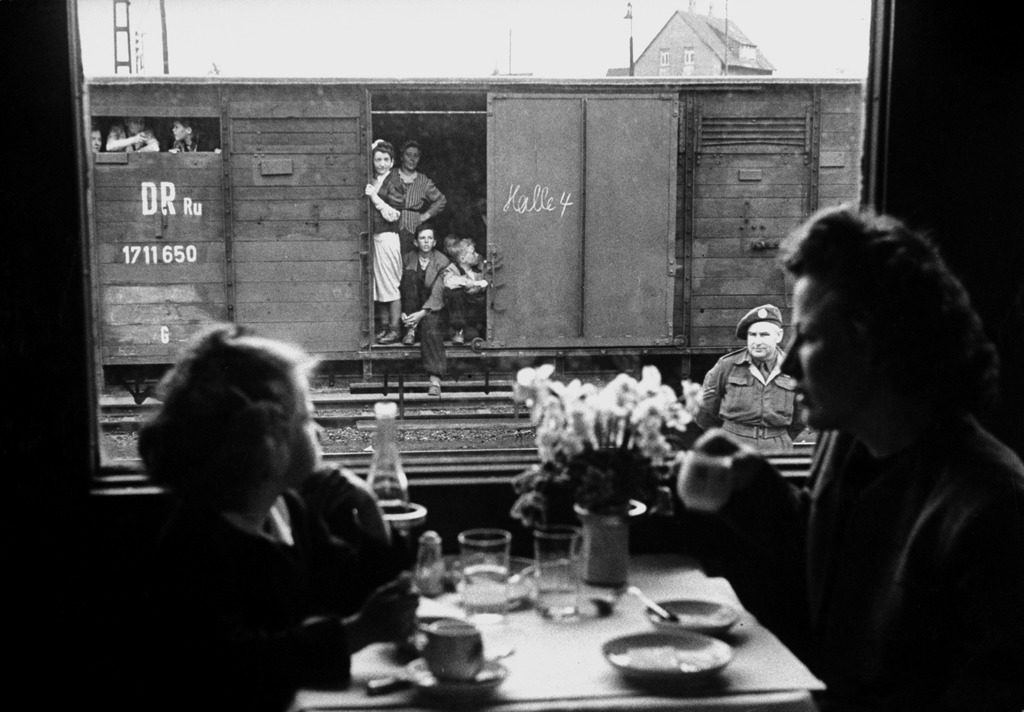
386, 476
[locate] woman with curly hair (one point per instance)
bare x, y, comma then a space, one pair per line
252, 598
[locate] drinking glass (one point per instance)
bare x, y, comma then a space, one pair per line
557, 561
484, 565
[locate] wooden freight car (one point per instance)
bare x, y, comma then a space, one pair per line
619, 215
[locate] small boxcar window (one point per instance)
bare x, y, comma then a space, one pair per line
145, 134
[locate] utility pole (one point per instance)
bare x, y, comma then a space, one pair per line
122, 37
629, 16
726, 37
163, 35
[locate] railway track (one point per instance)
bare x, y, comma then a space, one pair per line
339, 409
445, 440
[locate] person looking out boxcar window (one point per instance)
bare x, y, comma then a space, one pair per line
422, 302
423, 201
746, 394
387, 195
132, 135
897, 572
464, 294
96, 139
184, 138
252, 597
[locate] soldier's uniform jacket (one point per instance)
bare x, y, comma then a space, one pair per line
756, 410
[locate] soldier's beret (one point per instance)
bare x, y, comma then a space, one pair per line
765, 312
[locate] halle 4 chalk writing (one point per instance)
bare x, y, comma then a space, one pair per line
541, 200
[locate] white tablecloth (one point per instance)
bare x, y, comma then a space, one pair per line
559, 666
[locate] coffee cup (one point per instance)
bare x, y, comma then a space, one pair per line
706, 481
454, 649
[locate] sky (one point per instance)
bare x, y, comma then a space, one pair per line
457, 38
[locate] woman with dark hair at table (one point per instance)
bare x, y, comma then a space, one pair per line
252, 598
423, 200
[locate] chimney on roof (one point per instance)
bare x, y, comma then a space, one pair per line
713, 9
693, 7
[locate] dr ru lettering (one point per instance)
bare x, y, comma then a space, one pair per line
160, 198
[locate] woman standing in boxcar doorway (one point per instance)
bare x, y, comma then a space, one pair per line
387, 192
423, 200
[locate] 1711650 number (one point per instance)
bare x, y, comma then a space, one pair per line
157, 255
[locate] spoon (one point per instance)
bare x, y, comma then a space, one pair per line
502, 653
652, 606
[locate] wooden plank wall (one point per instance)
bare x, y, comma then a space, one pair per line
297, 172
161, 276
753, 184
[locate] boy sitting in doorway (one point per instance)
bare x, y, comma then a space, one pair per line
464, 286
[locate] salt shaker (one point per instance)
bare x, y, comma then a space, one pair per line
429, 571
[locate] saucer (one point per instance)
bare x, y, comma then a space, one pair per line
696, 615
678, 656
486, 681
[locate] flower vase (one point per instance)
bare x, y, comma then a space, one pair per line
606, 544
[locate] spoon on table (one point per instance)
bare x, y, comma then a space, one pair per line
652, 606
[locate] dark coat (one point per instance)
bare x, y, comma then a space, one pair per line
240, 621
900, 581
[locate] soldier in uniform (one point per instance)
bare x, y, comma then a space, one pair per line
746, 394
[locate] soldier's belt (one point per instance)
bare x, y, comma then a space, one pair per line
753, 431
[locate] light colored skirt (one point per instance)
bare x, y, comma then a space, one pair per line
387, 266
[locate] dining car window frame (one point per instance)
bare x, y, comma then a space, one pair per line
128, 476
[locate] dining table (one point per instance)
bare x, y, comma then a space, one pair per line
560, 665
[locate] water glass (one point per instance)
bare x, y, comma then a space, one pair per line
557, 565
484, 566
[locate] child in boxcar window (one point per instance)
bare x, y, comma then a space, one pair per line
422, 302
387, 194
132, 135
184, 138
464, 286
253, 598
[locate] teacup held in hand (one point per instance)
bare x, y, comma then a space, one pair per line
705, 481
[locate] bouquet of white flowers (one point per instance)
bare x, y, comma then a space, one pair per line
599, 448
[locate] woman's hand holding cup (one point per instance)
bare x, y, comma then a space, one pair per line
716, 467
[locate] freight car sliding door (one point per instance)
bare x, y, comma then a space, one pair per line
581, 193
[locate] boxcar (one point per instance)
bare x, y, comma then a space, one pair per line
620, 215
